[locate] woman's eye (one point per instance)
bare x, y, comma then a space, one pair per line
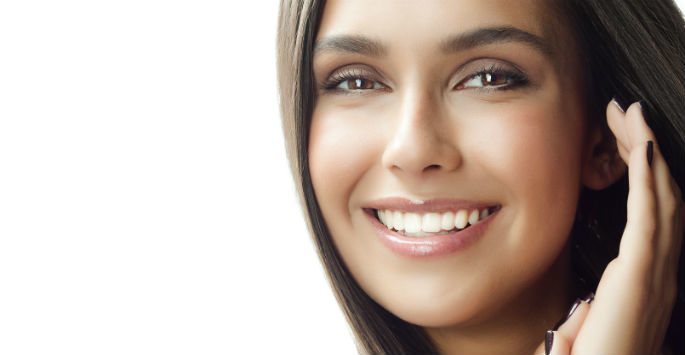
358, 84
498, 80
352, 81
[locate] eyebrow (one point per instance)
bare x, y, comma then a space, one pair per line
460, 42
351, 44
494, 35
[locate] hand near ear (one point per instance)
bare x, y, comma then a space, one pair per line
636, 294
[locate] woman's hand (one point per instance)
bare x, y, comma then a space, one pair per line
635, 297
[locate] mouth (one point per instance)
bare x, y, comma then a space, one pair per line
428, 224
430, 228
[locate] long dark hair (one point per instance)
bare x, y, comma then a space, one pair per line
633, 49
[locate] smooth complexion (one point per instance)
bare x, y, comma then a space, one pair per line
405, 110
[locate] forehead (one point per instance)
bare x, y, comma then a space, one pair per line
413, 26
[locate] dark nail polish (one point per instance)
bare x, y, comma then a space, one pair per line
589, 298
621, 103
549, 339
650, 152
568, 315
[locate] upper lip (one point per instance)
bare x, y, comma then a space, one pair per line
425, 206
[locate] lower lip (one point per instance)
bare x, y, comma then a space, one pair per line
437, 245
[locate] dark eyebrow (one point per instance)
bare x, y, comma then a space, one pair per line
351, 44
492, 35
463, 41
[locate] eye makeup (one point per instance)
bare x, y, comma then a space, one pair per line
486, 77
494, 77
361, 77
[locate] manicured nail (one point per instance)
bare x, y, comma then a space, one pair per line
620, 103
589, 298
650, 152
568, 315
549, 339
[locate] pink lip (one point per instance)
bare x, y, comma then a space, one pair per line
433, 246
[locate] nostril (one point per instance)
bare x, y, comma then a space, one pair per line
414, 160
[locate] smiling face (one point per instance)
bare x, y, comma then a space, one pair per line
462, 105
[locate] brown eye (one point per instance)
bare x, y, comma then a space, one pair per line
358, 84
493, 79
485, 80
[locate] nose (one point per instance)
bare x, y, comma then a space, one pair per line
422, 143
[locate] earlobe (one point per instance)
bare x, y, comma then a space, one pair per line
602, 164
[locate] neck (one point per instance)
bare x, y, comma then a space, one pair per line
521, 326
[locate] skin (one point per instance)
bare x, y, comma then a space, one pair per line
636, 294
409, 130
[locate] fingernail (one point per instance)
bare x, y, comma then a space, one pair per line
620, 103
650, 152
549, 339
568, 315
589, 298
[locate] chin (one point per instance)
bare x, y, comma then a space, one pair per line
435, 317
442, 313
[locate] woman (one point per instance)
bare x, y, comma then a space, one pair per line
465, 170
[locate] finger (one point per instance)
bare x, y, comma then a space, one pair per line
669, 233
638, 241
622, 293
635, 127
670, 206
570, 328
623, 153
557, 344
615, 121
667, 199
623, 125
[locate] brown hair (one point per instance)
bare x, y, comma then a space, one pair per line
646, 62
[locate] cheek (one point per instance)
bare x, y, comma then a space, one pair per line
536, 153
535, 149
341, 149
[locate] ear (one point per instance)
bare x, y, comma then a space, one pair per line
602, 165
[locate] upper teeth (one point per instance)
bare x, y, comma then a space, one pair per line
430, 222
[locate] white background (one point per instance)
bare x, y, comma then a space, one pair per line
145, 201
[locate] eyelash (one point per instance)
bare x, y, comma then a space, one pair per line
515, 79
339, 77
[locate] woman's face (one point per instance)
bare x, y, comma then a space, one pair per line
428, 108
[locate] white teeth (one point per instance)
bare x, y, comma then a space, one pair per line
398, 220
447, 222
418, 225
388, 218
461, 219
431, 222
381, 216
473, 217
412, 222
